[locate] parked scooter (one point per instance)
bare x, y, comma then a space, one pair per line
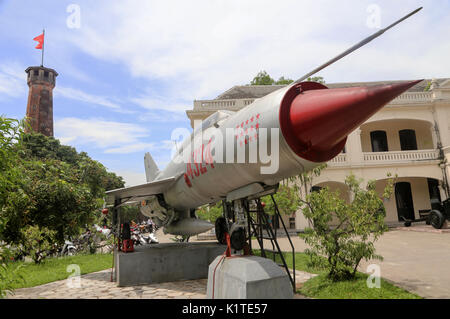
68, 249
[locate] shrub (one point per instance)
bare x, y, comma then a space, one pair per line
38, 243
359, 224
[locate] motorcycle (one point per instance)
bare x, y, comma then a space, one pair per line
68, 249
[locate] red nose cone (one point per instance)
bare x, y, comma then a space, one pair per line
317, 121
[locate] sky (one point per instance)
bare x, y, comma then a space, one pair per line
129, 69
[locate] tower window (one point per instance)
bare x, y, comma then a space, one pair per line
46, 74
36, 72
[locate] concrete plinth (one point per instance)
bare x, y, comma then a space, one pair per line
250, 277
165, 263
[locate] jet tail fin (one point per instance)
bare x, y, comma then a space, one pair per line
151, 169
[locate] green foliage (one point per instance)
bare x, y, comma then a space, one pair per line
305, 180
38, 243
428, 87
129, 213
40, 146
318, 79
322, 287
50, 195
262, 78
286, 198
210, 212
359, 224
9, 277
10, 135
47, 185
283, 81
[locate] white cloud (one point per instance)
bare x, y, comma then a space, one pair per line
13, 80
204, 47
131, 148
98, 132
151, 103
82, 96
132, 178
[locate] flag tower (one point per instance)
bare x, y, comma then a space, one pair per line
41, 82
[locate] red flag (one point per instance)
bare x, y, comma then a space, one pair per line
40, 39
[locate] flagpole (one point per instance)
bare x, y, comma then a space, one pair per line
43, 44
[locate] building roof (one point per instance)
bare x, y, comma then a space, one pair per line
257, 91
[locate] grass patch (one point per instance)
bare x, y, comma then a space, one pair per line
53, 269
321, 287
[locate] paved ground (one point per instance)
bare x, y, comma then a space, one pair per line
416, 258
98, 286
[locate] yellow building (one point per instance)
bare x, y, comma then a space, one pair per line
409, 137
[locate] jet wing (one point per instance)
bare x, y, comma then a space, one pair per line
138, 192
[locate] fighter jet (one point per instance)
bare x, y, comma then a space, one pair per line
226, 158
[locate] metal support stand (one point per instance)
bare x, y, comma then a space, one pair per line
262, 229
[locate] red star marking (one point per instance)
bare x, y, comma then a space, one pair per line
257, 116
257, 125
246, 141
246, 122
256, 136
251, 120
242, 124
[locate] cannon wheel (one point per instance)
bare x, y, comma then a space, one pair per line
437, 219
221, 228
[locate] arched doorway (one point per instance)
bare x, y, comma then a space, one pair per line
404, 201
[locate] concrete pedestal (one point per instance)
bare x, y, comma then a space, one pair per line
248, 278
165, 263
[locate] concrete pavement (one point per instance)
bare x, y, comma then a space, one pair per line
418, 261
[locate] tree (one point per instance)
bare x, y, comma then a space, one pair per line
286, 198
36, 145
359, 224
48, 185
39, 242
283, 81
317, 79
262, 78
10, 135
50, 194
210, 212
